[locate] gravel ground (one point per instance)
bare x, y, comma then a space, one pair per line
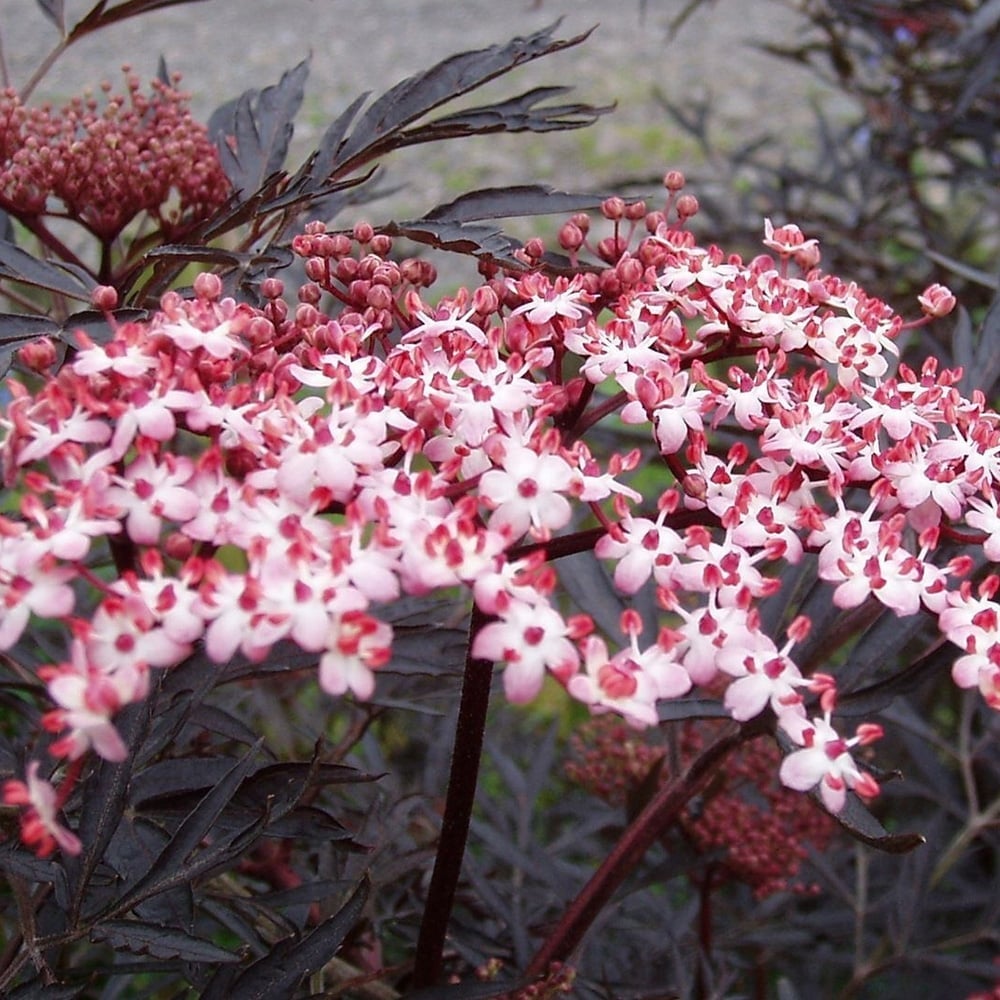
225, 46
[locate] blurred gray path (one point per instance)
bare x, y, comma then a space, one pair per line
225, 46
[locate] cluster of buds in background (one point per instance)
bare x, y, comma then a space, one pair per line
103, 161
284, 473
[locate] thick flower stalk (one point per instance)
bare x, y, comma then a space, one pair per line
284, 474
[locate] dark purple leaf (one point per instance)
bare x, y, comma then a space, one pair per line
417, 95
178, 775
517, 114
16, 328
100, 16
54, 11
35, 990
104, 801
315, 173
159, 942
986, 368
137, 839
512, 202
18, 265
253, 131
15, 860
171, 866
290, 960
174, 872
478, 241
212, 719
691, 708
162, 73
464, 991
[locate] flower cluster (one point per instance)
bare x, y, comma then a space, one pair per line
103, 161
280, 473
748, 827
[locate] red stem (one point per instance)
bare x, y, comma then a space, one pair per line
638, 837
466, 754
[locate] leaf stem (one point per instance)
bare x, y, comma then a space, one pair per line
470, 730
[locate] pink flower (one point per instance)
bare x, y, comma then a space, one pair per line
358, 645
616, 684
762, 676
87, 697
528, 491
825, 760
529, 639
786, 240
40, 827
638, 545
31, 581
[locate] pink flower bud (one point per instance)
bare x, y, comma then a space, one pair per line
485, 300
687, 205
316, 269
937, 301
635, 211
673, 180
534, 248
310, 293
104, 297
363, 233
570, 236
613, 208
208, 286
39, 355
272, 288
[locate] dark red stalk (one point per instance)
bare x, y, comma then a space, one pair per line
662, 810
465, 758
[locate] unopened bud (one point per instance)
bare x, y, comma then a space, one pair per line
310, 293
316, 269
535, 248
687, 205
272, 288
104, 297
39, 355
208, 286
937, 301
613, 208
635, 211
570, 236
673, 180
363, 233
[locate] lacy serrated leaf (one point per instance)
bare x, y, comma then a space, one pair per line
159, 942
517, 114
18, 265
54, 10
17, 328
477, 241
171, 867
253, 132
100, 15
512, 202
290, 960
415, 96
